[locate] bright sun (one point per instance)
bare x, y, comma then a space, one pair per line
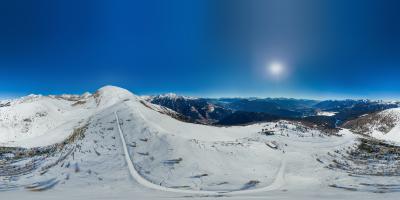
276, 69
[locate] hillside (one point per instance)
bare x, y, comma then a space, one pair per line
383, 125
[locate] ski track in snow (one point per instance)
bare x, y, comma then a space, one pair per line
275, 185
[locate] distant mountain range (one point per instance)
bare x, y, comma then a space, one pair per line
239, 111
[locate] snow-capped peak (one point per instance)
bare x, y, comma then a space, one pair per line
109, 95
171, 96
86, 95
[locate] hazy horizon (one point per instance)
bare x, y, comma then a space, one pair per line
326, 97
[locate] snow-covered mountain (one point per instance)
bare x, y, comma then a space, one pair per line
38, 120
195, 109
381, 125
113, 144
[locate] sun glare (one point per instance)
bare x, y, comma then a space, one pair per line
276, 69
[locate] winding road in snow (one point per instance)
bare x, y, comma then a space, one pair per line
276, 184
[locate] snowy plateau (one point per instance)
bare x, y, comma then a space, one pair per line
113, 144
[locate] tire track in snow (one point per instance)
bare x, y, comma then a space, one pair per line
276, 184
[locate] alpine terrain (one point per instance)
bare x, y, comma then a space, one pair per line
113, 144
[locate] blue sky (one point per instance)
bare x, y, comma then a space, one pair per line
328, 49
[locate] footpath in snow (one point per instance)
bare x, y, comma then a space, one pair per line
277, 183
